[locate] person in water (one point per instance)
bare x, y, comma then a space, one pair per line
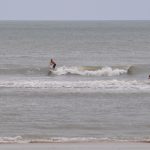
52, 62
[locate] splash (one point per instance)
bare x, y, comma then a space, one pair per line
90, 71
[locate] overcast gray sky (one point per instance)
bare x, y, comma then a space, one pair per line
74, 9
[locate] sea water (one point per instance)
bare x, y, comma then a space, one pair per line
99, 90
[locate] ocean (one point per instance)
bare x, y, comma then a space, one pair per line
99, 90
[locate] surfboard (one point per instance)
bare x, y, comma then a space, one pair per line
51, 71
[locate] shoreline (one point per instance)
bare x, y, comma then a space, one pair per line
78, 146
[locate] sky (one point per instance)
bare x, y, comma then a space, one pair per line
74, 9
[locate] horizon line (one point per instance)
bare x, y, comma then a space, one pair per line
74, 19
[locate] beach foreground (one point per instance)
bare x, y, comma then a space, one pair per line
79, 146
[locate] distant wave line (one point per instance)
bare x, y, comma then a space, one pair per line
101, 84
21, 140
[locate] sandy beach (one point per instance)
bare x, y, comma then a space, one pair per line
79, 146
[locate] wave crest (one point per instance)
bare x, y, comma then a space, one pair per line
75, 70
89, 71
21, 140
11, 140
109, 85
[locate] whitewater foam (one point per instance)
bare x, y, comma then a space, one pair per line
11, 140
96, 84
8, 69
92, 71
21, 140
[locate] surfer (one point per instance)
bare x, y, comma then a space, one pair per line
52, 62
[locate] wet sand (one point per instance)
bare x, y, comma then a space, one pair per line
77, 146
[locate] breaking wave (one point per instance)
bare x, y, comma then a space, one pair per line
75, 70
114, 85
83, 71
21, 140
90, 71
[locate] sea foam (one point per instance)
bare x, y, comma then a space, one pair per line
21, 140
104, 71
113, 85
